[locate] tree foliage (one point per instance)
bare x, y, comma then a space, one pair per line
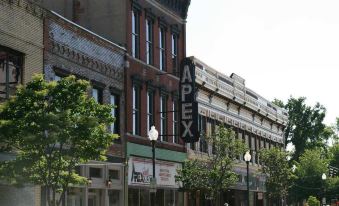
313, 201
309, 170
334, 155
279, 174
53, 127
305, 129
214, 173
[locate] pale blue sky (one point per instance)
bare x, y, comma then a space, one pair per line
281, 48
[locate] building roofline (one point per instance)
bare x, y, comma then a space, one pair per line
86, 30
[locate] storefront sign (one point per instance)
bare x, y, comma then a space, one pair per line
188, 106
140, 172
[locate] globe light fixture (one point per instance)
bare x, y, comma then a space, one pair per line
153, 136
323, 177
247, 158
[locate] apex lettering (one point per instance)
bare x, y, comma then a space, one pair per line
188, 105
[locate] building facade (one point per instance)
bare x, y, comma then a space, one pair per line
225, 100
21, 55
154, 34
73, 50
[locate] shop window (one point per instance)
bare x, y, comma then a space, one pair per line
114, 197
114, 174
133, 197
95, 172
95, 197
11, 63
144, 197
159, 199
169, 197
75, 197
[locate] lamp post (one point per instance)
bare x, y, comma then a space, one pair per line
247, 158
153, 136
323, 177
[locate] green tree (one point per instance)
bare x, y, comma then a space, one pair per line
52, 127
213, 174
305, 128
334, 155
279, 174
313, 201
278, 102
309, 170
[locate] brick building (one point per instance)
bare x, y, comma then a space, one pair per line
153, 33
35, 40
72, 49
260, 124
21, 55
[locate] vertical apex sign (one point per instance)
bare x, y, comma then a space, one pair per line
188, 107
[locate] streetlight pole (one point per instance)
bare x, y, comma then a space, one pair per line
323, 177
247, 158
153, 136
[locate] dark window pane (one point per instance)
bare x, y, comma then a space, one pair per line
95, 172
114, 174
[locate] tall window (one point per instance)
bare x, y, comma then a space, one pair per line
162, 59
135, 33
136, 110
115, 113
149, 41
163, 117
175, 121
10, 72
97, 94
150, 109
175, 53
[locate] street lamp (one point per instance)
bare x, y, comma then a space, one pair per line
323, 177
153, 136
247, 158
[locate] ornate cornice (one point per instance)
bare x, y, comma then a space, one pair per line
86, 61
28, 6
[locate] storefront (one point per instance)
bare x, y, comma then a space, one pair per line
105, 186
140, 171
139, 176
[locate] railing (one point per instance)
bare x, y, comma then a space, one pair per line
213, 81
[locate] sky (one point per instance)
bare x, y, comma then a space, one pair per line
281, 48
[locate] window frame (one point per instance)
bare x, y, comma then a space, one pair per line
175, 120
18, 64
163, 117
99, 98
149, 40
150, 108
174, 52
162, 48
135, 32
136, 109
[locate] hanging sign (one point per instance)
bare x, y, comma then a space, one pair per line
188, 107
